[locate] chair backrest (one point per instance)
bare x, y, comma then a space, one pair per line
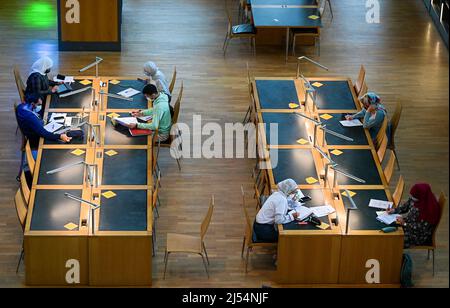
30, 158
176, 107
382, 149
24, 140
156, 190
260, 186
360, 81
398, 193
395, 120
364, 89
322, 5
156, 144
230, 20
381, 133
248, 222
24, 187
207, 220
389, 169
19, 83
442, 203
174, 79
21, 208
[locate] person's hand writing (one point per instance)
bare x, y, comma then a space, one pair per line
349, 117
65, 138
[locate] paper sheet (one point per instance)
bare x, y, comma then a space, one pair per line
351, 123
58, 115
126, 121
303, 212
68, 79
52, 127
388, 218
322, 211
128, 93
380, 204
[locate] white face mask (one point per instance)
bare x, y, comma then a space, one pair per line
38, 108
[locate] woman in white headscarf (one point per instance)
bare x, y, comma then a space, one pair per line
279, 208
38, 82
157, 77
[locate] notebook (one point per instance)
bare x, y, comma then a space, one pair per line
140, 132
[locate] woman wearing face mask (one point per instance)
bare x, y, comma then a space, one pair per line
38, 82
373, 113
31, 124
279, 208
419, 215
157, 78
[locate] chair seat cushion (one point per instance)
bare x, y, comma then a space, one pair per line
243, 29
183, 243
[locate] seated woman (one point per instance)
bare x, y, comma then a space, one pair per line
279, 208
31, 124
419, 216
157, 78
373, 113
162, 119
38, 82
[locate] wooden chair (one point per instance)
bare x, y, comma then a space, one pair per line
360, 81
261, 187
24, 187
389, 169
181, 243
156, 145
395, 120
174, 79
305, 32
22, 211
19, 83
433, 246
381, 133
176, 132
24, 143
364, 89
246, 31
155, 203
249, 239
382, 149
30, 158
248, 115
322, 8
398, 193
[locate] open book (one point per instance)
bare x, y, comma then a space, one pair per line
126, 121
303, 212
351, 123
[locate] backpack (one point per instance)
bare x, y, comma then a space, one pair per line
406, 271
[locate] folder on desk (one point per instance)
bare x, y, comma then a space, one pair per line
140, 132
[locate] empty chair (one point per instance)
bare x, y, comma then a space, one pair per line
308, 33
246, 31
181, 243
174, 79
155, 203
19, 83
395, 120
382, 149
389, 169
433, 246
175, 132
398, 193
250, 241
22, 211
360, 81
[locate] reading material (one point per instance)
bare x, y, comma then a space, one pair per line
52, 127
303, 212
322, 211
351, 123
128, 93
388, 219
379, 204
126, 121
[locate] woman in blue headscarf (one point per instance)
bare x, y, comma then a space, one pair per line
373, 113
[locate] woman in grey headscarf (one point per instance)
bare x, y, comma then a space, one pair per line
157, 77
278, 209
38, 82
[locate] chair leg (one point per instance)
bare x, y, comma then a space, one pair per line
433, 262
225, 42
22, 159
428, 257
396, 159
293, 45
159, 202
205, 264
166, 260
20, 260
254, 46
243, 247
331, 9
153, 243
206, 253
179, 165
247, 257
318, 45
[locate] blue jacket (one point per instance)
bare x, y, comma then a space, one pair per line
32, 126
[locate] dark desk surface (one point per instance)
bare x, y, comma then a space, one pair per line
292, 17
53, 159
127, 211
139, 100
290, 128
74, 141
120, 135
318, 199
276, 94
296, 164
334, 95
128, 167
357, 133
365, 217
77, 101
52, 210
359, 163
282, 2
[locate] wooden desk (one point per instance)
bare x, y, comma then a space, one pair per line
117, 250
309, 256
273, 19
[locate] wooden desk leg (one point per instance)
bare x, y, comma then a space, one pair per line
287, 43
